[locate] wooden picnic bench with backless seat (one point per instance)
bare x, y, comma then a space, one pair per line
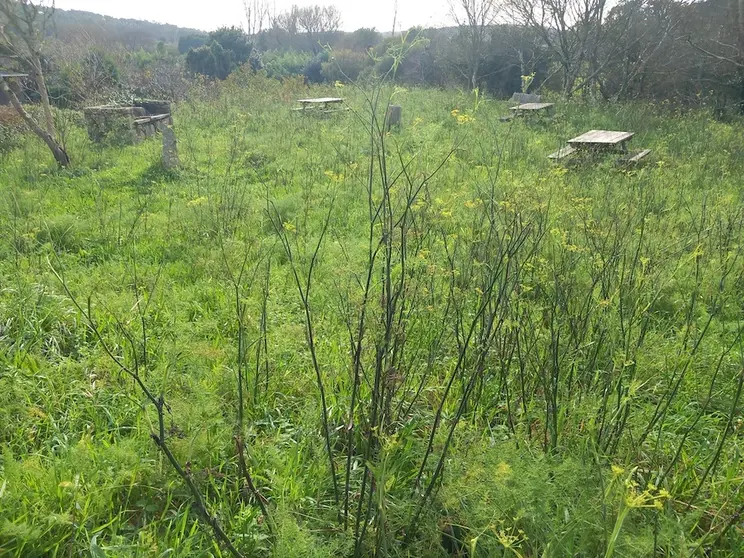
601, 141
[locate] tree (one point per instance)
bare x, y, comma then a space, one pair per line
364, 39
570, 29
513, 52
640, 35
716, 31
213, 61
316, 21
22, 30
82, 73
234, 40
230, 48
187, 42
473, 19
257, 14
313, 71
345, 65
287, 22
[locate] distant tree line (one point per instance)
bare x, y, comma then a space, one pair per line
630, 49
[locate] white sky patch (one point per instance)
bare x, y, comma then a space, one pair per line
215, 13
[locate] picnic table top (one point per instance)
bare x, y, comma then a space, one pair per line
532, 106
321, 100
601, 137
4, 74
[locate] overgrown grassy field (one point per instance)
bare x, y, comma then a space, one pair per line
412, 343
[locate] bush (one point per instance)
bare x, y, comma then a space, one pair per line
230, 48
193, 41
364, 39
314, 68
203, 60
285, 64
235, 41
11, 128
164, 78
93, 76
8, 139
345, 65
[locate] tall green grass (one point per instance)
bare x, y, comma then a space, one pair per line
517, 359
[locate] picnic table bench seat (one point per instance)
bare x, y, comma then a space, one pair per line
562, 153
638, 157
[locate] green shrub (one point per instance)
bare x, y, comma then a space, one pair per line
314, 68
11, 128
285, 64
9, 139
345, 65
230, 48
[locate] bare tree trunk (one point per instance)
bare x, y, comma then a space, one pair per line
395, 16
46, 105
741, 55
522, 65
59, 154
568, 80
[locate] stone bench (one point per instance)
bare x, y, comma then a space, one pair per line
127, 125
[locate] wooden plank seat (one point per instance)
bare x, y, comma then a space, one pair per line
320, 102
155, 118
562, 153
320, 110
638, 157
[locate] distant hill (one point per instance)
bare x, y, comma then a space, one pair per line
71, 25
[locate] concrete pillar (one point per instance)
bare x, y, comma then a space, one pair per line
393, 117
170, 148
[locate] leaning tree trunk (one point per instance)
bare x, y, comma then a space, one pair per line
741, 55
741, 27
59, 153
44, 93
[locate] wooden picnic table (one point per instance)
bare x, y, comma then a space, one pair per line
601, 139
324, 101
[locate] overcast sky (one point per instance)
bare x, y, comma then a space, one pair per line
211, 14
